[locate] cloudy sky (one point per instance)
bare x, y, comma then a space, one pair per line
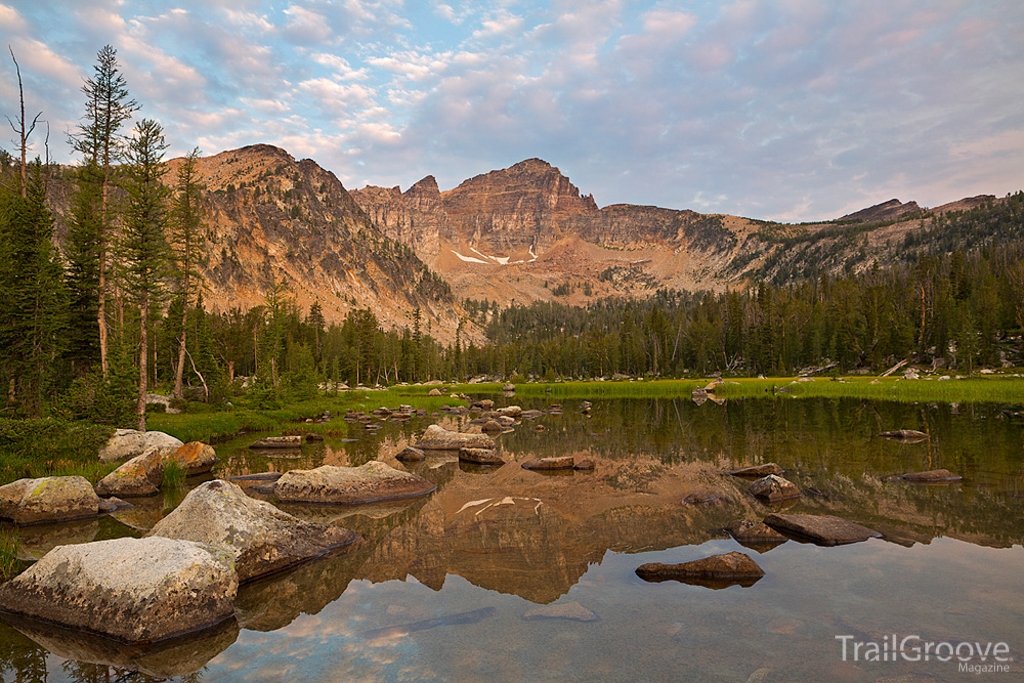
785, 109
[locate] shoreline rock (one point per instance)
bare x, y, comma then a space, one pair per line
294, 441
369, 483
821, 529
774, 489
758, 470
128, 443
137, 478
480, 456
437, 438
48, 499
564, 462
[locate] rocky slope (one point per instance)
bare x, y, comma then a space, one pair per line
526, 233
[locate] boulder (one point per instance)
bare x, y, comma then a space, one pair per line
717, 571
410, 454
482, 405
130, 589
278, 442
128, 443
140, 476
529, 414
437, 438
367, 483
491, 426
508, 386
931, 476
821, 529
757, 470
434, 392
262, 538
194, 457
749, 532
48, 499
564, 462
510, 411
585, 464
773, 489
480, 456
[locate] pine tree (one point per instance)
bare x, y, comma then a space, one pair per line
143, 248
187, 242
107, 108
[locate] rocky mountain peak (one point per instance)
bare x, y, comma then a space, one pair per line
886, 211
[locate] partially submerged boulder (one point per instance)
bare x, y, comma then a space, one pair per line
48, 499
480, 456
141, 476
510, 411
821, 529
749, 532
263, 538
278, 442
931, 477
130, 589
437, 438
369, 483
194, 457
773, 489
128, 443
757, 470
563, 462
492, 426
717, 571
410, 454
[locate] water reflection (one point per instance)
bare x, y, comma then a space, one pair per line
508, 539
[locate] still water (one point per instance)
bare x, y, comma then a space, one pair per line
505, 574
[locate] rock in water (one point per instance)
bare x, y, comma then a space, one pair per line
510, 411
757, 470
822, 529
931, 476
140, 476
278, 442
907, 435
410, 454
437, 438
128, 443
480, 456
48, 499
131, 589
748, 532
773, 489
717, 571
367, 483
564, 462
263, 539
194, 457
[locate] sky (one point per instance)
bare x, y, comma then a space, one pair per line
787, 110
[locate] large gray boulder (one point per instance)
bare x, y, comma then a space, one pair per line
128, 443
437, 438
140, 476
130, 589
822, 529
263, 539
367, 483
48, 499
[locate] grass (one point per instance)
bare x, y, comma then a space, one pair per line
9, 563
52, 447
979, 389
174, 476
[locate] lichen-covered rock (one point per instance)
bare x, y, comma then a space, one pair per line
194, 457
131, 589
773, 489
367, 483
437, 438
140, 476
263, 539
48, 499
480, 456
128, 443
729, 567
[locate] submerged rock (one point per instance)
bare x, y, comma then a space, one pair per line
757, 470
822, 529
128, 443
717, 571
480, 456
367, 483
130, 589
571, 611
140, 476
773, 489
438, 438
410, 454
749, 532
48, 499
931, 476
278, 442
565, 462
263, 538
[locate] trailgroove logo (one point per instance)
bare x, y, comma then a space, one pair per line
972, 657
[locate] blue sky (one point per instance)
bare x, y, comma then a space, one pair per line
785, 109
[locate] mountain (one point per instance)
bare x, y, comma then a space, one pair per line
526, 233
272, 218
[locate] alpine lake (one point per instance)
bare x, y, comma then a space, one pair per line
507, 574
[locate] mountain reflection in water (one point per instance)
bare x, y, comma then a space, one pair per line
493, 543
